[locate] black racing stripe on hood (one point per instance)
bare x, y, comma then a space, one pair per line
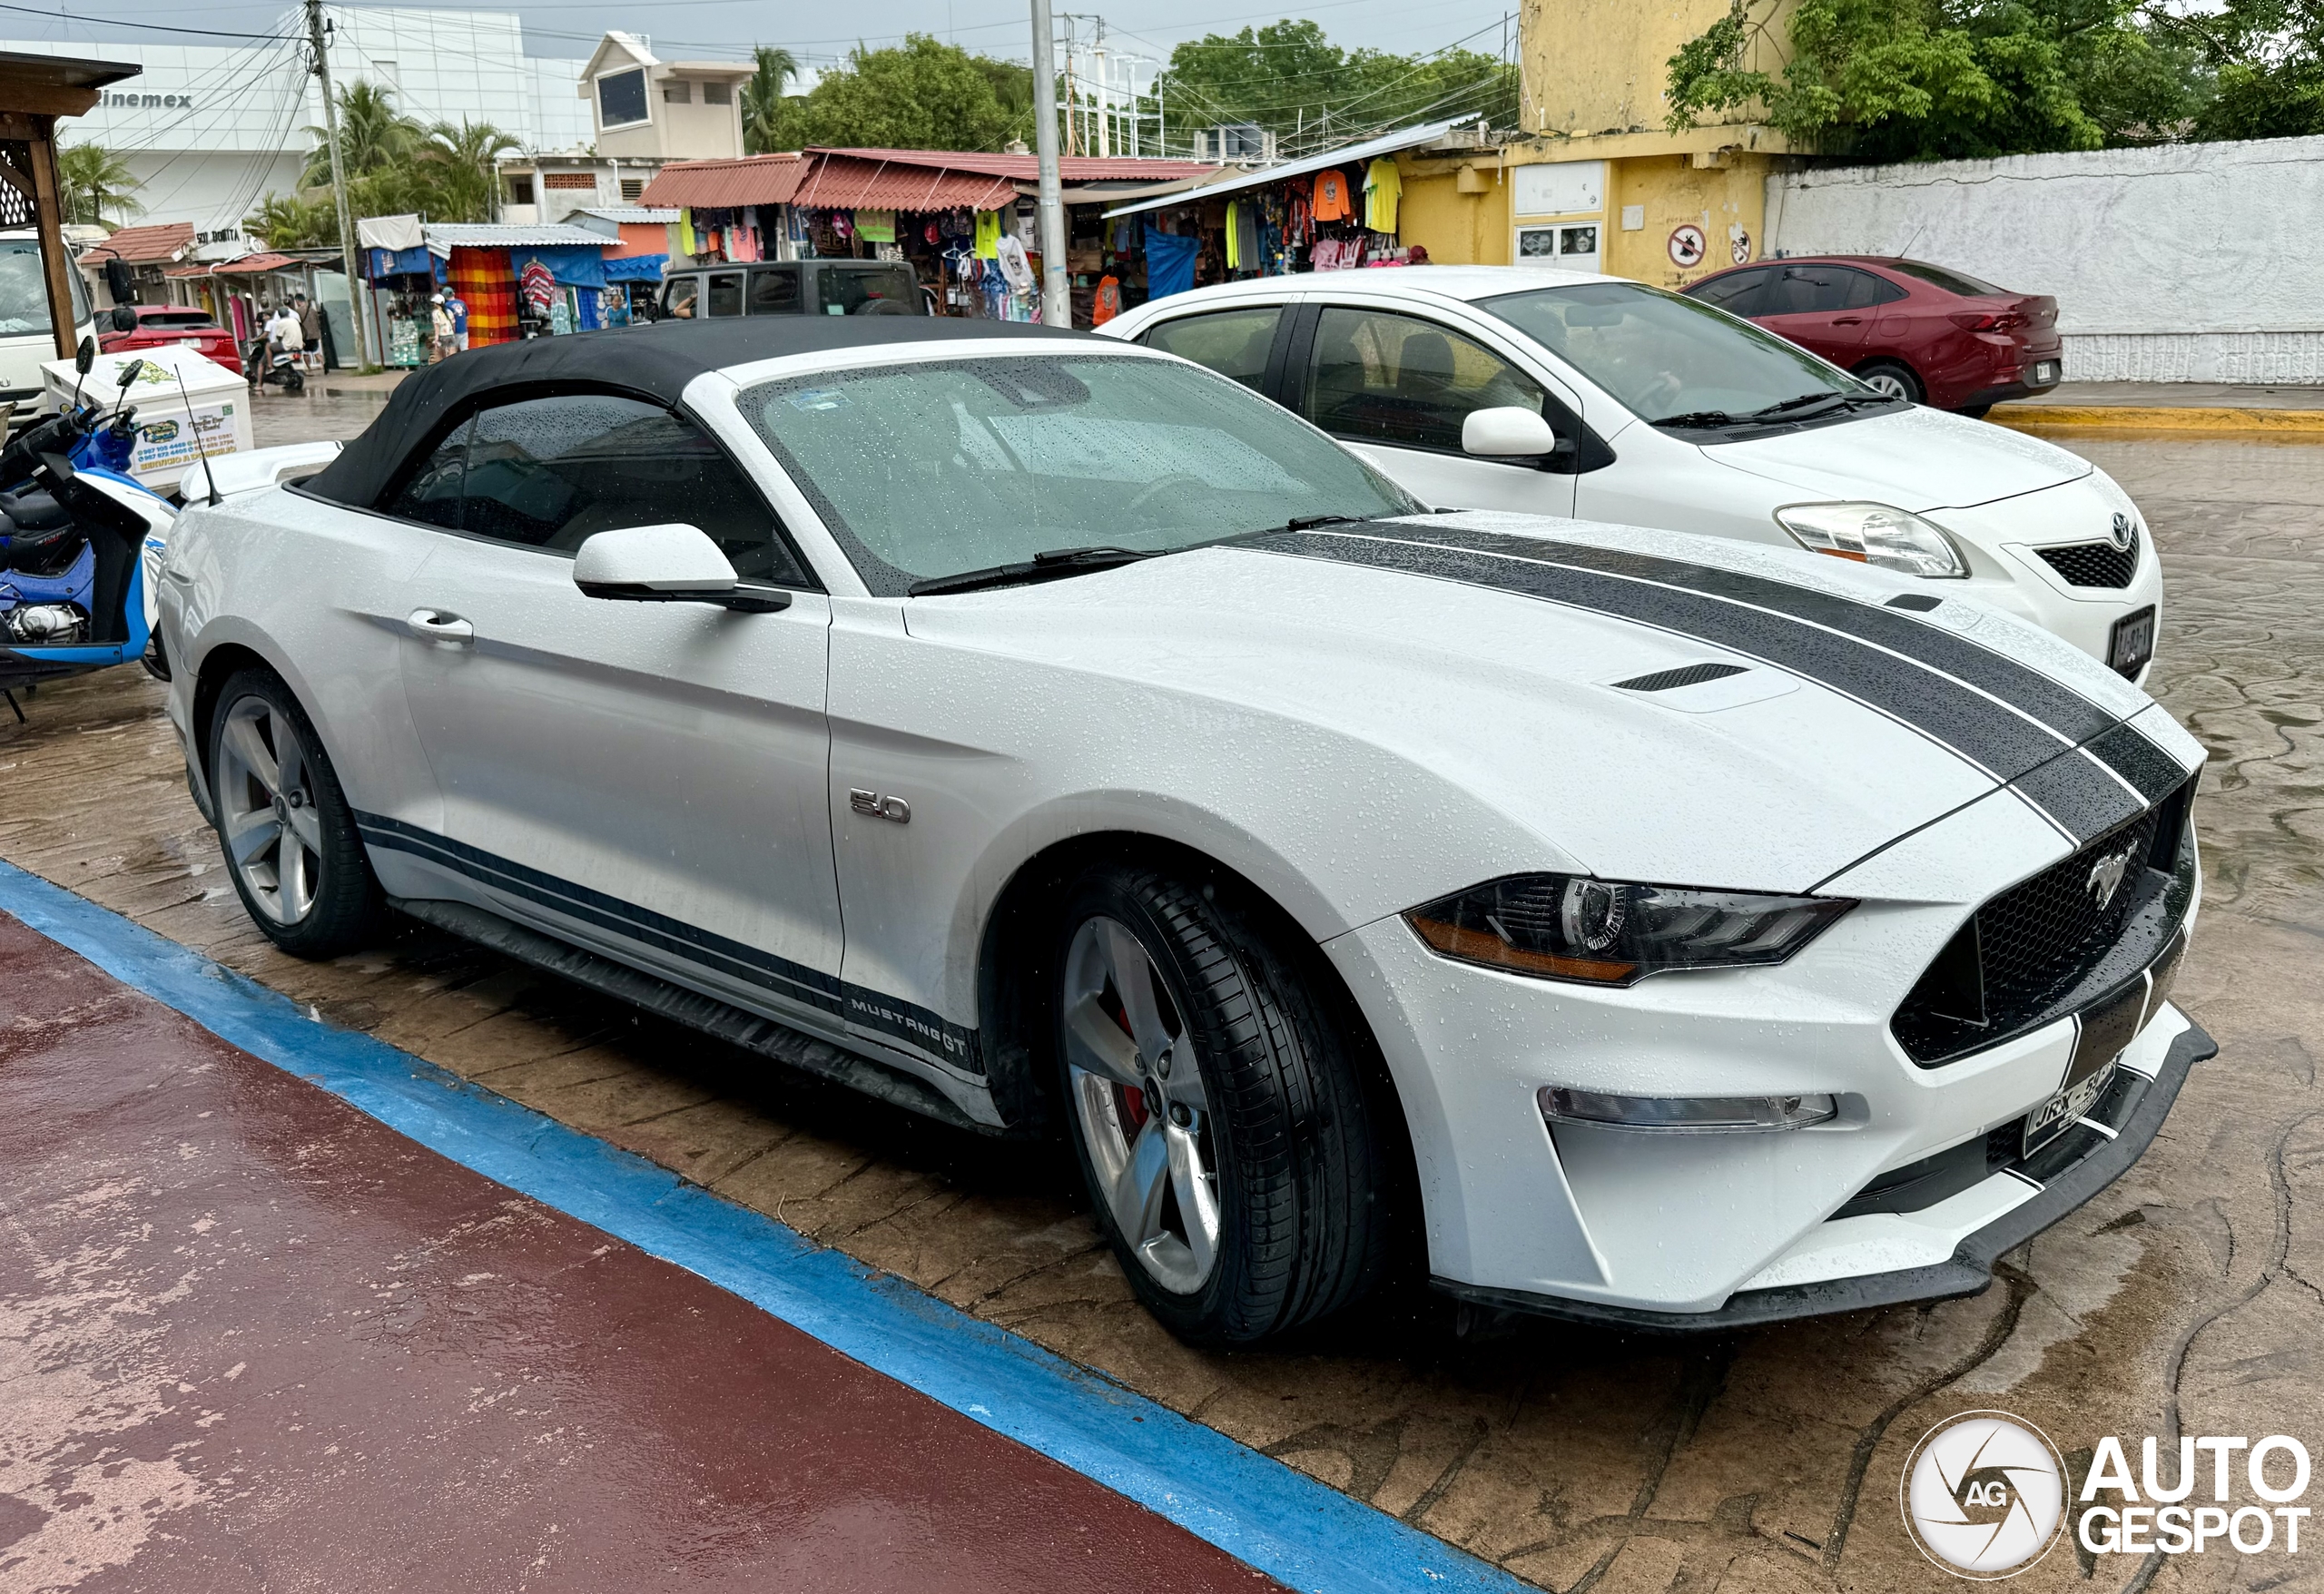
1911, 691
2079, 795
2127, 751
2057, 705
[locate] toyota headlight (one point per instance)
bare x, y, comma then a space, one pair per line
1614, 933
1874, 534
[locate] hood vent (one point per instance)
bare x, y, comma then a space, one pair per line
1684, 676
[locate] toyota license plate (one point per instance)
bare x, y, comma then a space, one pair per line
2131, 643
2047, 371
2054, 1116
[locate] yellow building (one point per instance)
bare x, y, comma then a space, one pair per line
1596, 182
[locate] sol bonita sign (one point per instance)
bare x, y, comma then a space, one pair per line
1985, 1496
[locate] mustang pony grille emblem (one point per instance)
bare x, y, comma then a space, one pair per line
2122, 532
2106, 877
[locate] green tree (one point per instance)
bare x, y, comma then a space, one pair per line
457, 165
1290, 78
921, 94
373, 136
95, 185
761, 103
1944, 79
294, 221
2268, 57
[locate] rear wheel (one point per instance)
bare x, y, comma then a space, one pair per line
1892, 378
289, 839
1216, 1106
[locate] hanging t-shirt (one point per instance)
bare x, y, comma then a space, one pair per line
686, 243
876, 226
988, 235
1331, 197
1234, 235
1382, 188
1244, 230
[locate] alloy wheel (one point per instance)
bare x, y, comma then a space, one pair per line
1140, 1104
1887, 384
266, 811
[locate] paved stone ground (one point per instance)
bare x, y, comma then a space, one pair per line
2185, 1298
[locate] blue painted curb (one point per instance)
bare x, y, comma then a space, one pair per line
1270, 1516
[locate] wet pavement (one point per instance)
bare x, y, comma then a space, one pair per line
2184, 1299
252, 1338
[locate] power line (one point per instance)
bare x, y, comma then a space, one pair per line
151, 27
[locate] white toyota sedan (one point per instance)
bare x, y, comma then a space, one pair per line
1051, 736
1653, 409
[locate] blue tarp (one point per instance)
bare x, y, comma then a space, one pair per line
572, 265
637, 268
1169, 263
398, 262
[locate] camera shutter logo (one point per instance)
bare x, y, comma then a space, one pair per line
1984, 1495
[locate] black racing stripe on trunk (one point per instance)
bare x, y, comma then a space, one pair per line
2063, 710
2076, 792
2127, 751
1921, 696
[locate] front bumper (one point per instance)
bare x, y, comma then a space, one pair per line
2047, 1186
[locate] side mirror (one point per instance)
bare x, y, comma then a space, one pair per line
124, 319
1509, 432
130, 373
671, 563
85, 356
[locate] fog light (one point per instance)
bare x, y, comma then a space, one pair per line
1685, 1115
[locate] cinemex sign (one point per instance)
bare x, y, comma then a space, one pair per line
146, 102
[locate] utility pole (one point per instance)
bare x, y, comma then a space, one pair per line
338, 189
1057, 283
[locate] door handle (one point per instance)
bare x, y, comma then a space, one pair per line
436, 626
1849, 321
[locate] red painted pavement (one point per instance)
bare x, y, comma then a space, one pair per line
250, 1339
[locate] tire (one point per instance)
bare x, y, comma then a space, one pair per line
302, 874
1243, 1196
294, 381
1894, 377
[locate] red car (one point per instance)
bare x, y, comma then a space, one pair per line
1927, 334
152, 325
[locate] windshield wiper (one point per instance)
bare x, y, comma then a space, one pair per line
1310, 522
1045, 565
1801, 407
1698, 417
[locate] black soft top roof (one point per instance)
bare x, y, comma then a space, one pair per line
654, 362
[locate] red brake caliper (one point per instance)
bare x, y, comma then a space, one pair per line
1129, 1105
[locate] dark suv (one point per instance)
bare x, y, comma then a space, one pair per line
793, 288
1927, 334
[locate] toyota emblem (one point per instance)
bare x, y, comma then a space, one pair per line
2123, 532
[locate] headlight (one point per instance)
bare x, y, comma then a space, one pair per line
1611, 932
1874, 534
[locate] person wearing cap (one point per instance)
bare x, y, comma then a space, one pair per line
440, 320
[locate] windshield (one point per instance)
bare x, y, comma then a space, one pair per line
1662, 356
928, 470
24, 293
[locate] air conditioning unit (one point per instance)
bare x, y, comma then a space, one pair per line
1244, 144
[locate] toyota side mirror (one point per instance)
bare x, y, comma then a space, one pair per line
85, 356
124, 319
673, 563
1509, 432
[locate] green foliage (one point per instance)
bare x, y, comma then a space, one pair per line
455, 164
294, 222
762, 102
1289, 78
2269, 55
1895, 80
395, 166
95, 185
921, 94
372, 134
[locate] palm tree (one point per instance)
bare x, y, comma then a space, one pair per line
762, 98
458, 163
372, 134
294, 222
96, 185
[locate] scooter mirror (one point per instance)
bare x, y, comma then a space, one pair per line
130, 373
85, 356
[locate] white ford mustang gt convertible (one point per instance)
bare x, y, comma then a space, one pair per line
1049, 735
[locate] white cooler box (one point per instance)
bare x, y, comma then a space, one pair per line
211, 414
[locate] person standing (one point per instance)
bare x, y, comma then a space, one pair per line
310, 325
459, 308
440, 324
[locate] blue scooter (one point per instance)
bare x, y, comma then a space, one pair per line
79, 540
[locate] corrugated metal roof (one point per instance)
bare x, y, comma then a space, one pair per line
852, 183
1353, 156
634, 215
754, 179
1027, 167
145, 246
448, 236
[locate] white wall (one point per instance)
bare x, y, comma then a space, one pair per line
2188, 263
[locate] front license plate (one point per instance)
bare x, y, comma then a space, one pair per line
2047, 371
2054, 1116
2131, 643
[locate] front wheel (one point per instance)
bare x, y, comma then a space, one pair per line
1892, 378
289, 839
294, 381
1217, 1108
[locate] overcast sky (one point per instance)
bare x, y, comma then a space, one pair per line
726, 27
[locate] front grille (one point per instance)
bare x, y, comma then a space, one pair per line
2008, 968
2094, 563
